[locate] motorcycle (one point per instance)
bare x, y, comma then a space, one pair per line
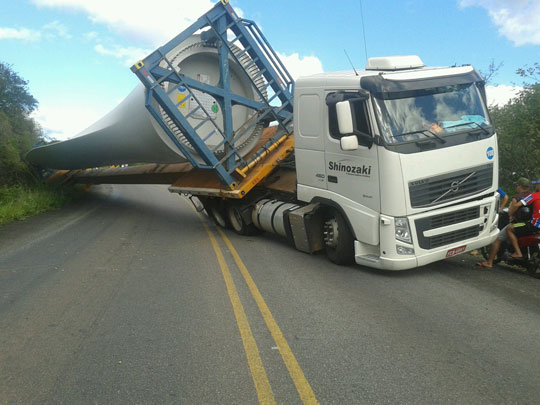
529, 245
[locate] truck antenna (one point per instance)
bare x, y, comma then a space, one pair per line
350, 61
363, 29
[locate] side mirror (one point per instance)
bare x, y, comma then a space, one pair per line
344, 117
349, 142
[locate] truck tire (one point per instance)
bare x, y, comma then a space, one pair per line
338, 239
238, 223
215, 209
206, 204
218, 216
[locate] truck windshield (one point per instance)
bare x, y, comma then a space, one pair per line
409, 116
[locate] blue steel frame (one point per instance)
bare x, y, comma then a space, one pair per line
219, 19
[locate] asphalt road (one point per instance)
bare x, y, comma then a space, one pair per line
132, 297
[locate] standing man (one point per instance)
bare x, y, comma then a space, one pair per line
504, 199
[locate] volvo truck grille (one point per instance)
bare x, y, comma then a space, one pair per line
451, 218
448, 187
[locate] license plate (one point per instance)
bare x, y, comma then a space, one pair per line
456, 251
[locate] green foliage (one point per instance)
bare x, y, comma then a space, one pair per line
18, 132
19, 202
530, 73
20, 194
14, 96
518, 130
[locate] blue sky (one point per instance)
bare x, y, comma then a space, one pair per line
76, 53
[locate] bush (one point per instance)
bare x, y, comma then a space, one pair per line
518, 130
18, 132
19, 202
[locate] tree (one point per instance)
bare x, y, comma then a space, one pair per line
18, 132
530, 72
14, 96
518, 129
491, 71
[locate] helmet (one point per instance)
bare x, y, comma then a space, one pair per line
523, 214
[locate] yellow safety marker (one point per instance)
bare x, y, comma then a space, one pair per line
302, 385
258, 373
179, 98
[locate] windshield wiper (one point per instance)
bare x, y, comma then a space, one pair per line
424, 131
468, 123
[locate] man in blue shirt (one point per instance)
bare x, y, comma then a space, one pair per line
522, 188
504, 199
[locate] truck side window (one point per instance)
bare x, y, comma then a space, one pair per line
360, 119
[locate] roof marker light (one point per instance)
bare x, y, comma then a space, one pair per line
394, 63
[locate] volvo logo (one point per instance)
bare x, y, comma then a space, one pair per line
454, 186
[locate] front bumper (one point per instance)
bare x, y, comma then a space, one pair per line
388, 259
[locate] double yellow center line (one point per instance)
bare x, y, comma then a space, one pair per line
258, 373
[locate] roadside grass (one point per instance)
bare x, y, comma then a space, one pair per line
20, 202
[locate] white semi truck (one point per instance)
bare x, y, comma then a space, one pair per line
392, 167
407, 156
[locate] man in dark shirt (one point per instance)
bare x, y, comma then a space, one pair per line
522, 188
532, 226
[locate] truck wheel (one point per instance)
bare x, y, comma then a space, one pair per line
207, 204
218, 215
238, 224
338, 239
216, 211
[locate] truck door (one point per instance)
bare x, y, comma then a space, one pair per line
352, 174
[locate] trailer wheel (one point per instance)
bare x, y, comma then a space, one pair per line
338, 239
206, 204
218, 215
238, 223
216, 211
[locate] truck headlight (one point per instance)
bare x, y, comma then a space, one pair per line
403, 232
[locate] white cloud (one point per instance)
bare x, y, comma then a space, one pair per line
517, 20
155, 23
63, 122
56, 29
51, 30
92, 35
129, 55
24, 34
501, 94
301, 66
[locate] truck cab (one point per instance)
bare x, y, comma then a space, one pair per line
407, 155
